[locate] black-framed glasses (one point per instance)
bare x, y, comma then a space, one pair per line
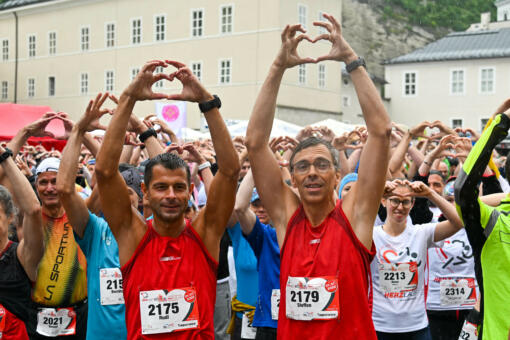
320, 164
395, 202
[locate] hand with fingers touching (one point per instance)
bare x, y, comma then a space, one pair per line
340, 49
327, 134
23, 166
90, 119
192, 89
389, 187
419, 189
141, 87
288, 56
68, 125
193, 155
419, 130
38, 127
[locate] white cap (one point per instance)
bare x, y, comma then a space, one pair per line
48, 164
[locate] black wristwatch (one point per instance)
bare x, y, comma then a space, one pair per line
5, 155
146, 134
211, 104
355, 64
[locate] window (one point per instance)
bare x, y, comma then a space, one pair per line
346, 101
31, 45
457, 82
456, 123
409, 84
110, 35
31, 87
109, 81
483, 123
321, 29
226, 19
134, 72
4, 90
197, 22
302, 74
136, 31
487, 80
225, 71
159, 27
5, 49
51, 86
322, 76
196, 68
302, 15
159, 84
84, 38
84, 83
52, 43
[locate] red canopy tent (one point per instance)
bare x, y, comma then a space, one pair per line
14, 117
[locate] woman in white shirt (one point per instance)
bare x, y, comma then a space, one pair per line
398, 268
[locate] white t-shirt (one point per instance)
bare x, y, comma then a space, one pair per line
398, 271
454, 263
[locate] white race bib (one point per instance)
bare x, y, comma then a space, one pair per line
164, 311
247, 330
275, 304
56, 321
458, 292
469, 331
398, 277
110, 286
310, 298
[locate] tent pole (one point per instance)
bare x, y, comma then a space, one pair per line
16, 59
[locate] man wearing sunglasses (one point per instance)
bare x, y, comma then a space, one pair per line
325, 259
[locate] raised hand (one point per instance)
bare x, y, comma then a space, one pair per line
141, 87
38, 127
90, 119
419, 189
288, 56
68, 125
192, 89
193, 155
340, 49
419, 130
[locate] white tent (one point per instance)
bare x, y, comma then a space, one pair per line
337, 127
280, 128
190, 134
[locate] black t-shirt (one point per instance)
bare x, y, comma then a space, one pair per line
223, 259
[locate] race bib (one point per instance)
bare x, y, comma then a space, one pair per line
275, 304
247, 330
469, 331
3, 316
398, 277
56, 321
163, 311
312, 298
110, 286
458, 292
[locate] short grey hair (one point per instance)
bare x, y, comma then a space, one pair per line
6, 201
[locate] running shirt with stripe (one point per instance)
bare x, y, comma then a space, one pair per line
62, 272
331, 256
488, 229
161, 265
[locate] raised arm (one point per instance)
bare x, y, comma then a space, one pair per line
75, 207
124, 221
275, 195
245, 216
31, 248
375, 155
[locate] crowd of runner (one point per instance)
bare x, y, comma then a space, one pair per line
385, 232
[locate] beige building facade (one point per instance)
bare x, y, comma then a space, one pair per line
69, 50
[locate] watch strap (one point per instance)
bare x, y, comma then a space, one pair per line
6, 154
209, 105
150, 132
355, 64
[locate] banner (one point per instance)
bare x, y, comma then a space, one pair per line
174, 114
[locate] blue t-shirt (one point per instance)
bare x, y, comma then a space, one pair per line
246, 268
101, 250
264, 243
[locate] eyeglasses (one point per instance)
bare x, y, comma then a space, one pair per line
320, 164
396, 202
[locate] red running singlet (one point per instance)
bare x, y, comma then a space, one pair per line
331, 251
11, 328
170, 264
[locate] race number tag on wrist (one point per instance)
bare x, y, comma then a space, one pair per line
458, 292
110, 285
398, 277
275, 304
163, 311
247, 330
56, 321
312, 298
469, 331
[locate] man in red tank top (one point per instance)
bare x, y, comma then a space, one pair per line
326, 245
168, 265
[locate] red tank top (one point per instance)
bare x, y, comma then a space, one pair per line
167, 263
11, 328
328, 250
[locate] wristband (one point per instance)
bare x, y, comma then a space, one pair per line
209, 105
204, 165
146, 134
7, 153
355, 64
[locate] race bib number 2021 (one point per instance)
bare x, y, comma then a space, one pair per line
56, 321
163, 311
312, 298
